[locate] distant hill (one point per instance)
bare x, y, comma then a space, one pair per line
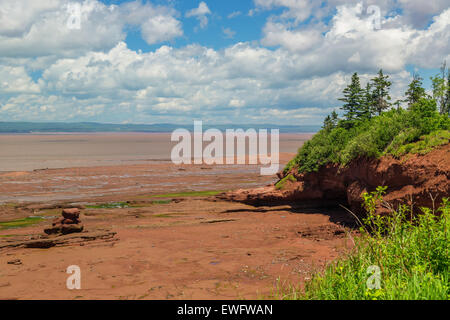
48, 127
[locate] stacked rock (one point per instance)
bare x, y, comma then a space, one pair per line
69, 222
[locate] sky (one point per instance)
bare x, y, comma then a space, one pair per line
237, 61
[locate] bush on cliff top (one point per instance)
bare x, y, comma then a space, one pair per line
394, 132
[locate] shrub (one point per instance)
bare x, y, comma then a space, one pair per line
391, 132
410, 252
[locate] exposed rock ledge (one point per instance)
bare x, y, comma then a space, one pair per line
417, 180
45, 242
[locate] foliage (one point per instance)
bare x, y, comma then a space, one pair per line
441, 89
282, 183
425, 145
447, 96
110, 205
20, 223
352, 100
380, 94
415, 91
393, 132
410, 252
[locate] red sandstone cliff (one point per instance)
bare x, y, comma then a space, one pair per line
416, 178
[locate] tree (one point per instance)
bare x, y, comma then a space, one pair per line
380, 93
367, 107
439, 88
327, 123
398, 104
330, 121
415, 91
352, 101
334, 119
447, 95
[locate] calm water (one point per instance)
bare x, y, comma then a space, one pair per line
39, 151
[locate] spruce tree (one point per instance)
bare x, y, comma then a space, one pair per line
352, 101
380, 93
415, 91
334, 119
330, 121
367, 106
327, 125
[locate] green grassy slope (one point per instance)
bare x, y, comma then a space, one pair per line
394, 132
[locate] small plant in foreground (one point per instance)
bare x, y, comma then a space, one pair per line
411, 253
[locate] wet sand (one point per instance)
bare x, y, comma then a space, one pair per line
27, 152
190, 248
179, 246
112, 182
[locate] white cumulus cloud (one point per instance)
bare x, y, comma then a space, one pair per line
200, 13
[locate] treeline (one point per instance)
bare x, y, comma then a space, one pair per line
362, 103
372, 125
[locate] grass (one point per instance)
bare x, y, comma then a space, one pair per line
408, 255
115, 205
110, 205
425, 145
20, 223
161, 201
282, 183
395, 132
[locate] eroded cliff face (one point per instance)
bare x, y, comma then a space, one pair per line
414, 180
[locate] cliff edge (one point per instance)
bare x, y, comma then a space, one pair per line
414, 180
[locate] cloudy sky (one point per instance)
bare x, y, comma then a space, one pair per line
234, 61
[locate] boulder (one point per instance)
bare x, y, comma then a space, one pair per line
53, 230
68, 223
57, 221
71, 213
71, 228
71, 221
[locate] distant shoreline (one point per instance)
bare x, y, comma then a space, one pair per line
114, 132
93, 127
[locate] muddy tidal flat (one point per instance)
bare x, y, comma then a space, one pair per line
171, 238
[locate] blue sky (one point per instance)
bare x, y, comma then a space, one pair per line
246, 28
173, 61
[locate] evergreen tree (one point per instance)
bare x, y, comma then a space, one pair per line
367, 106
398, 103
352, 101
380, 93
439, 88
415, 91
327, 123
330, 121
334, 119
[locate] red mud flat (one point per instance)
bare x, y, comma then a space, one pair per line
167, 247
414, 180
190, 248
111, 182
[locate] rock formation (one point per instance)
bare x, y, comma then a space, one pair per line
69, 223
414, 180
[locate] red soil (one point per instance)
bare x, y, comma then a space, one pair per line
415, 180
162, 248
189, 249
